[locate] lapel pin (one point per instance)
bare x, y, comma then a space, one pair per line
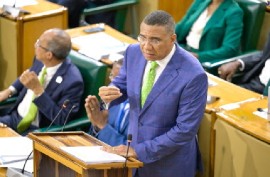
59, 79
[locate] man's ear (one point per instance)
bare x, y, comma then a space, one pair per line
173, 38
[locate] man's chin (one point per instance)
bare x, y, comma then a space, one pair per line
149, 57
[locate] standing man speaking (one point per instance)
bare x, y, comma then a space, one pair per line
167, 90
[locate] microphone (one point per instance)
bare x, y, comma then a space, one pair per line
14, 5
26, 162
74, 106
66, 102
129, 139
64, 106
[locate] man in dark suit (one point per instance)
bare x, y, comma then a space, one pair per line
255, 67
61, 81
167, 89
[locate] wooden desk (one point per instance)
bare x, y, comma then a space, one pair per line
228, 93
242, 142
75, 32
49, 155
18, 36
6, 132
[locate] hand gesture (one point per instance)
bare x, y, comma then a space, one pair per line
97, 117
30, 80
109, 93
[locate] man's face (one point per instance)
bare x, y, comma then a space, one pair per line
41, 50
155, 41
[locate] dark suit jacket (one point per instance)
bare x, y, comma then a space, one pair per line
164, 130
51, 101
221, 36
255, 63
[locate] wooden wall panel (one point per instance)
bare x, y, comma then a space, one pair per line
177, 8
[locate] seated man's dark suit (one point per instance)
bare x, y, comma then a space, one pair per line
253, 68
66, 84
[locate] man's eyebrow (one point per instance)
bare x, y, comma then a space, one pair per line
150, 37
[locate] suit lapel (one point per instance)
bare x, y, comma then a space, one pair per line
167, 76
58, 76
138, 81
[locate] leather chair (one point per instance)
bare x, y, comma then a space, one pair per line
121, 6
254, 11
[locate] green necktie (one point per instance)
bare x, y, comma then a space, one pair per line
148, 82
32, 112
265, 91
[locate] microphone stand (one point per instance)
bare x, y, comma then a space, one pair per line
129, 139
74, 106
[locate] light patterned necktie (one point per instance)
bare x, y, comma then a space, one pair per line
32, 112
148, 82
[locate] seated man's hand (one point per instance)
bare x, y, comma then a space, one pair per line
4, 94
97, 117
109, 93
226, 71
30, 80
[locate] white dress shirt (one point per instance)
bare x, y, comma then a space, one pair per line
161, 65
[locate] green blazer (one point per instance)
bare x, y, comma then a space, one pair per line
221, 36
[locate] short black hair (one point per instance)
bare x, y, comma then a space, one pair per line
160, 18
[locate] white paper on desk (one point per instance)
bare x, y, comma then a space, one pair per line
14, 149
18, 3
237, 104
262, 114
93, 154
211, 83
99, 45
231, 106
19, 165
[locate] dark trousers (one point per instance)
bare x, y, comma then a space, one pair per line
254, 85
13, 119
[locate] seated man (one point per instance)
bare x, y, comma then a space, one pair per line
43, 89
109, 126
256, 70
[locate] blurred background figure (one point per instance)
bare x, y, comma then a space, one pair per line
109, 126
75, 8
105, 17
211, 29
255, 67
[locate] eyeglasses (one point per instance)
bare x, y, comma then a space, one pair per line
111, 76
38, 45
152, 41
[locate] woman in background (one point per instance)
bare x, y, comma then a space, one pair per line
211, 29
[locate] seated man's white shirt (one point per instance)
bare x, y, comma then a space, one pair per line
265, 74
